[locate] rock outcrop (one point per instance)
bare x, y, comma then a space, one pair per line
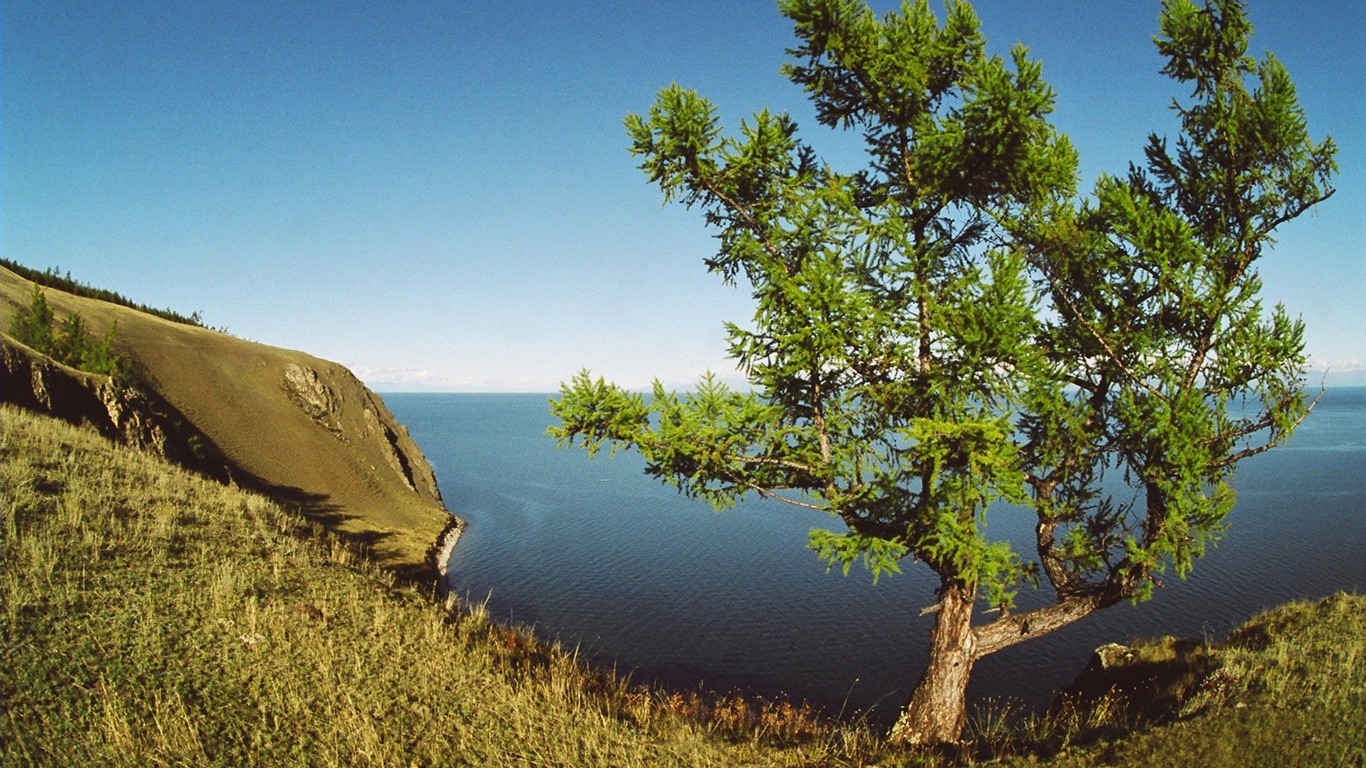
1149, 681
328, 406
121, 411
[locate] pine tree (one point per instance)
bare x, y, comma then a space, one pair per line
32, 325
947, 327
69, 341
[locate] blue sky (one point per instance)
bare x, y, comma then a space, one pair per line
438, 194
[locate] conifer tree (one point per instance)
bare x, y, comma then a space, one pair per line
32, 325
71, 341
947, 328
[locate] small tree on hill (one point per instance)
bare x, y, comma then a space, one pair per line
69, 341
32, 325
944, 329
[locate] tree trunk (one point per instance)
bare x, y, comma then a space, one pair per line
937, 711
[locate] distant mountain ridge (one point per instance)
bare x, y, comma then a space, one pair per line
299, 428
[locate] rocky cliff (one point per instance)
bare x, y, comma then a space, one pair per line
301, 429
120, 411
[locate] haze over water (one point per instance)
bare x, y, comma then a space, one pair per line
606, 559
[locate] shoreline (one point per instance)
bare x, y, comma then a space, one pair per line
444, 548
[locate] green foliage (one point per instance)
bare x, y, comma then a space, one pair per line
68, 342
897, 354
1177, 372
947, 327
879, 555
890, 326
33, 325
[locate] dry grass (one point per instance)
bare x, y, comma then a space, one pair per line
155, 618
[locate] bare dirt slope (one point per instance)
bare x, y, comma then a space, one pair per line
303, 429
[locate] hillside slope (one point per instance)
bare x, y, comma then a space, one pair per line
155, 618
302, 429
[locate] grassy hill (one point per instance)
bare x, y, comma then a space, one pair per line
304, 429
153, 617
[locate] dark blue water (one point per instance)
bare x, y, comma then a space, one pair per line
606, 559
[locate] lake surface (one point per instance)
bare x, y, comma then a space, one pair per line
632, 573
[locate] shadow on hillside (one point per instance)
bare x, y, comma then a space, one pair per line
317, 508
198, 452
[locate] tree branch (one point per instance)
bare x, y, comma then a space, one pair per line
1090, 327
1018, 627
751, 223
1265, 423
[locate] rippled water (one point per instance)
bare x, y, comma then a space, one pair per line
606, 559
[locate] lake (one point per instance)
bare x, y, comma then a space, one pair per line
629, 571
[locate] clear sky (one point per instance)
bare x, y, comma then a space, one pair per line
438, 194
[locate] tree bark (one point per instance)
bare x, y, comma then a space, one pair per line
1019, 627
937, 711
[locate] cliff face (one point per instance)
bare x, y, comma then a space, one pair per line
338, 402
120, 412
299, 428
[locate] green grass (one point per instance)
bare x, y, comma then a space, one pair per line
1287, 689
152, 617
